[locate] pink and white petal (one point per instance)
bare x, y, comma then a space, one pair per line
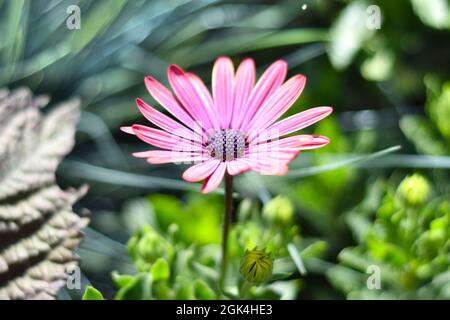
176, 159
278, 103
165, 140
165, 156
213, 181
166, 99
267, 167
269, 82
236, 167
189, 91
128, 130
166, 123
315, 143
289, 142
201, 171
223, 90
297, 122
273, 157
164, 153
245, 80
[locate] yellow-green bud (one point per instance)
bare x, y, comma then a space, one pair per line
415, 189
256, 266
279, 210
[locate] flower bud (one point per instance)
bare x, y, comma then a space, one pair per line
414, 189
279, 210
256, 266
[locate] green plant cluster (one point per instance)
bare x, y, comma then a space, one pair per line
172, 262
403, 236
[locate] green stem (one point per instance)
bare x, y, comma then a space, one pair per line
244, 289
226, 226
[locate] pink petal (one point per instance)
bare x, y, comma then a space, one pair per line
273, 156
222, 88
127, 130
177, 160
315, 143
278, 103
165, 140
267, 84
166, 99
163, 156
245, 80
267, 167
191, 94
298, 142
289, 142
201, 171
213, 181
236, 167
296, 122
165, 122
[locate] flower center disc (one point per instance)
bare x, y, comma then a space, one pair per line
226, 144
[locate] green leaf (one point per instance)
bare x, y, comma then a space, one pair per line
92, 294
310, 171
348, 33
139, 288
379, 67
202, 291
121, 280
96, 22
421, 133
434, 13
296, 258
160, 270
291, 37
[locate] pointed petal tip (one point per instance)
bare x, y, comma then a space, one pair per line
148, 80
322, 139
175, 69
327, 110
128, 130
140, 103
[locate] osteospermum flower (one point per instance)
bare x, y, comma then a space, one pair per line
231, 131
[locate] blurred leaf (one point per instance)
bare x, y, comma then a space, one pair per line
160, 270
121, 280
139, 288
92, 294
333, 166
291, 37
297, 259
198, 220
348, 33
379, 67
13, 26
95, 23
203, 291
434, 13
421, 133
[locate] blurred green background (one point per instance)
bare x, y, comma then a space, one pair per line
389, 87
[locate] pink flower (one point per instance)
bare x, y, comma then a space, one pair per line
232, 131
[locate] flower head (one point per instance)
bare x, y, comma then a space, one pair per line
233, 130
